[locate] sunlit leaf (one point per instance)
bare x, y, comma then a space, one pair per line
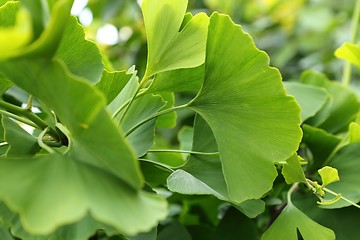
244, 102
354, 131
292, 219
328, 175
168, 48
13, 37
349, 52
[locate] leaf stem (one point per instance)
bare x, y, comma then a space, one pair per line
42, 144
29, 103
35, 121
354, 33
4, 144
183, 151
20, 119
341, 197
155, 115
291, 190
157, 164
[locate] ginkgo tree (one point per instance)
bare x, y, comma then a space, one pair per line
92, 166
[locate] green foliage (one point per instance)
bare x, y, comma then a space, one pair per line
186, 144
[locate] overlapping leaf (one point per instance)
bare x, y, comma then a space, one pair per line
97, 152
292, 219
244, 102
346, 161
341, 111
311, 99
59, 190
168, 48
203, 174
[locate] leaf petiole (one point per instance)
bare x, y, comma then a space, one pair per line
155, 115
183, 151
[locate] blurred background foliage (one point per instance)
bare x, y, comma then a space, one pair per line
297, 34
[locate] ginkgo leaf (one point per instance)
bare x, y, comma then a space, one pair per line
310, 98
20, 142
59, 191
168, 48
292, 170
94, 138
244, 102
14, 37
328, 175
292, 219
202, 174
343, 108
349, 52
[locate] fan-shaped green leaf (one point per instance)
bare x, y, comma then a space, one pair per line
203, 174
292, 219
328, 175
168, 48
244, 102
53, 190
94, 138
81, 56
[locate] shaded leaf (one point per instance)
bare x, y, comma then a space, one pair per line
59, 191
20, 142
81, 56
342, 221
168, 48
244, 102
234, 226
94, 138
174, 231
311, 99
321, 145
292, 170
203, 174
346, 161
344, 106
5, 84
292, 219
112, 83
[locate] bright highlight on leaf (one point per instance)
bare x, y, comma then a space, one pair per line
168, 48
244, 102
328, 175
13, 38
349, 52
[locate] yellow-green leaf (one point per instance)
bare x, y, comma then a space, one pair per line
328, 175
349, 52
